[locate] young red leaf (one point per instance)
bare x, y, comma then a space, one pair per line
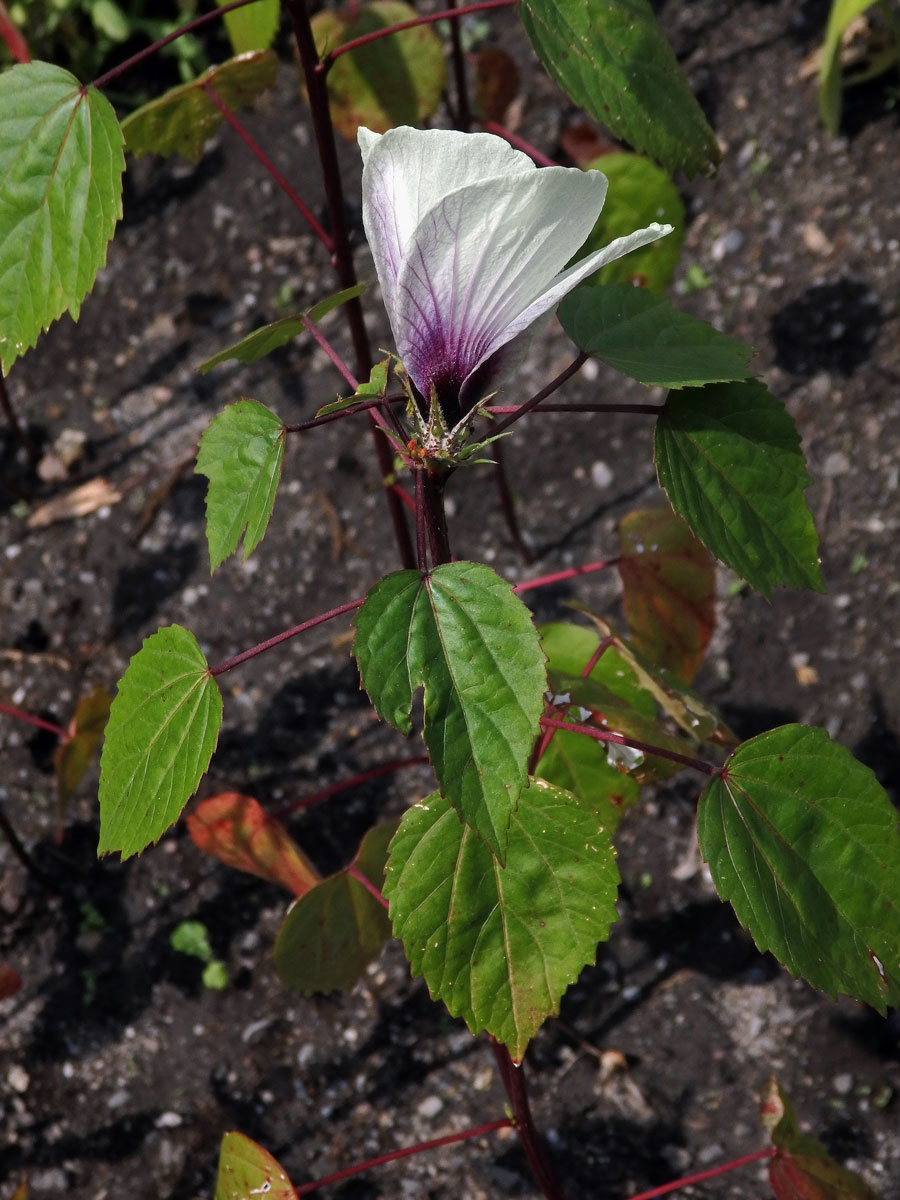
802, 1168
16, 44
246, 1170
669, 582
240, 833
72, 757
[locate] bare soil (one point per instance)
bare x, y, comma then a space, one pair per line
120, 1071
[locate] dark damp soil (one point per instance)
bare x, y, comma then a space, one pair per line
120, 1071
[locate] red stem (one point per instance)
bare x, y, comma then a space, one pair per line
603, 735
520, 144
18, 849
535, 400
513, 1078
551, 709
245, 655
403, 495
447, 14
323, 794
711, 1174
652, 409
463, 107
508, 504
188, 27
10, 711
322, 341
478, 1131
260, 154
570, 573
368, 885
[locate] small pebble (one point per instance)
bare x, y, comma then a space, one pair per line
168, 1120
728, 243
430, 1106
601, 475
18, 1079
843, 1083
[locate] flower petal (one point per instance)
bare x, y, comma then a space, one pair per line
408, 171
484, 255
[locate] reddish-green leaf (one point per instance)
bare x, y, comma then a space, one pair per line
61, 165
184, 119
246, 1172
239, 832
395, 80
73, 757
331, 934
802, 1169
496, 83
669, 582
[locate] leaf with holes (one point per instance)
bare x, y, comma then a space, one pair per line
239, 832
332, 933
465, 636
639, 193
802, 1168
644, 337
500, 945
392, 81
163, 727
61, 165
271, 337
73, 757
580, 765
613, 60
182, 120
253, 27
802, 840
669, 589
241, 455
730, 461
247, 1170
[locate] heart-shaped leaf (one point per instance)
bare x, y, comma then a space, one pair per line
332, 933
241, 455
184, 119
395, 80
163, 727
61, 165
462, 634
802, 840
499, 945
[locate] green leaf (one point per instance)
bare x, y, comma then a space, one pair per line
163, 727
241, 455
831, 98
803, 841
669, 589
569, 648
334, 930
263, 341
108, 19
61, 165
462, 634
253, 27
802, 1169
375, 386
730, 461
246, 1170
392, 81
184, 119
215, 976
579, 765
191, 938
500, 945
612, 59
639, 193
643, 336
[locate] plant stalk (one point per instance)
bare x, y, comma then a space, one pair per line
513, 1078
317, 92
